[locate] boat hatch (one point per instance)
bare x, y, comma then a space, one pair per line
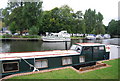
76, 48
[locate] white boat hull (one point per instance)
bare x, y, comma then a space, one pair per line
57, 37
90, 37
56, 40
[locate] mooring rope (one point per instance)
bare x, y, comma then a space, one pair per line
35, 69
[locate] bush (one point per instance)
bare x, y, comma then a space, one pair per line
7, 36
25, 36
31, 36
16, 36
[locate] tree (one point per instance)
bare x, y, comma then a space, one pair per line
33, 30
12, 27
32, 18
58, 19
90, 20
113, 27
8, 10
93, 22
5, 13
16, 16
22, 16
79, 22
99, 29
25, 15
118, 28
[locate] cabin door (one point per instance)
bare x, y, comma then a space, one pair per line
87, 51
98, 53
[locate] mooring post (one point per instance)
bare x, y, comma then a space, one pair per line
0, 70
65, 45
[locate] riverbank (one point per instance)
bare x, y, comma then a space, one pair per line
32, 39
20, 39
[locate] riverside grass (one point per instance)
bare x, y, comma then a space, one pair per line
105, 73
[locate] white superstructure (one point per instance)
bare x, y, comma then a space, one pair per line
61, 36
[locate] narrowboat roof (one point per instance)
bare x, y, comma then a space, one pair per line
28, 55
89, 44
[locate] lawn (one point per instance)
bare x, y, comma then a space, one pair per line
105, 73
0, 36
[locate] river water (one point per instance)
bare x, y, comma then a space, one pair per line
24, 46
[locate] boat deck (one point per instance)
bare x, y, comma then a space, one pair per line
27, 55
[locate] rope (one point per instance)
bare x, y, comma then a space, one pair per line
35, 69
27, 62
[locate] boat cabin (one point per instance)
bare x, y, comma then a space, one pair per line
79, 53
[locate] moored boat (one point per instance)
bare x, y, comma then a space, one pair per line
90, 37
79, 53
57, 37
99, 36
107, 36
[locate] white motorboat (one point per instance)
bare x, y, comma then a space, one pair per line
57, 37
99, 36
90, 37
107, 36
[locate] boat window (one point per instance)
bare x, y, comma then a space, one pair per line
76, 48
82, 58
10, 67
101, 48
66, 60
87, 48
56, 35
95, 49
73, 47
41, 63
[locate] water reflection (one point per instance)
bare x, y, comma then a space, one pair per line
23, 46
5, 47
0, 46
54, 45
113, 41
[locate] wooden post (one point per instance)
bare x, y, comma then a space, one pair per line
65, 45
0, 69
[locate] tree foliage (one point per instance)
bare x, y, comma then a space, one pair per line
62, 18
33, 30
5, 13
93, 22
24, 15
13, 27
57, 19
20, 16
113, 27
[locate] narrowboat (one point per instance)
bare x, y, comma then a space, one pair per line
79, 53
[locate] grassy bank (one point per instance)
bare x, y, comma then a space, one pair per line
32, 36
0, 36
105, 73
16, 36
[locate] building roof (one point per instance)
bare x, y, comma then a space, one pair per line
28, 55
89, 44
